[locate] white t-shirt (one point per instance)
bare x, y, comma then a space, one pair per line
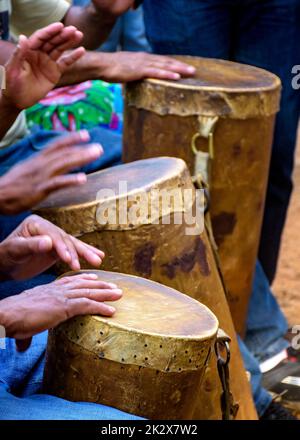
25, 17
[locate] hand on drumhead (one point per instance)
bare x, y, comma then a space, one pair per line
134, 66
38, 63
44, 307
31, 181
37, 244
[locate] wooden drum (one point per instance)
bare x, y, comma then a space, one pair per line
157, 246
148, 359
221, 123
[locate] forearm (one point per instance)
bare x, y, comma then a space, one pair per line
8, 115
94, 24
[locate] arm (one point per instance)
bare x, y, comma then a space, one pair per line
96, 19
9, 114
125, 67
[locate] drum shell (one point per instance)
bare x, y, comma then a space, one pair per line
239, 170
166, 254
144, 392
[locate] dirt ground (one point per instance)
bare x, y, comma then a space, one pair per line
287, 283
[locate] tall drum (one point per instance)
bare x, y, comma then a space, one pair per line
126, 212
221, 123
148, 359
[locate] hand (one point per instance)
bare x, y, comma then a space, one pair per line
37, 244
45, 307
38, 64
31, 181
113, 7
134, 66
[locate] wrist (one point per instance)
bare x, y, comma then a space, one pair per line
7, 105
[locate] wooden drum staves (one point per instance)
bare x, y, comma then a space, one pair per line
176, 254
227, 110
148, 359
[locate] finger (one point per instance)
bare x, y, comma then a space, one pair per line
23, 344
73, 41
81, 276
84, 306
42, 36
75, 157
94, 249
158, 73
59, 243
90, 284
166, 63
98, 294
69, 59
19, 54
74, 261
23, 247
60, 182
68, 38
67, 141
88, 253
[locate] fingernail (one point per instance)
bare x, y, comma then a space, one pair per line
118, 291
191, 69
95, 150
45, 244
111, 309
112, 285
81, 178
176, 76
68, 255
92, 276
85, 136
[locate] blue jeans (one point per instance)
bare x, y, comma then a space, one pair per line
265, 33
21, 376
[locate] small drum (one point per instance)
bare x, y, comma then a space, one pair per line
148, 359
221, 123
165, 242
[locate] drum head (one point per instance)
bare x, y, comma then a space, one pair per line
213, 74
152, 308
135, 176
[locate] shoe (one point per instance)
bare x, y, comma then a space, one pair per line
284, 381
275, 411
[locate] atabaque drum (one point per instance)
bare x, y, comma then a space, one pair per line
148, 359
148, 219
221, 123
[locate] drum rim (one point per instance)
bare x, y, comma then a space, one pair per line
230, 90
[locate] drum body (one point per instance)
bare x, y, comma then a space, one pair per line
236, 105
148, 359
167, 253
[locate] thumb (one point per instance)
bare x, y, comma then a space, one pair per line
40, 244
20, 52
